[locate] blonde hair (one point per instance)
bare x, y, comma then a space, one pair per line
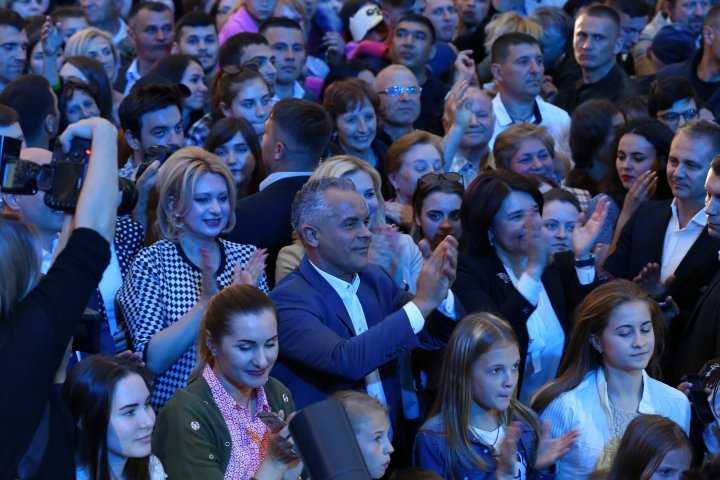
77, 45
358, 406
340, 165
295, 5
507, 23
176, 185
19, 261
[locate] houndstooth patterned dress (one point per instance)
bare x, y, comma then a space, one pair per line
161, 287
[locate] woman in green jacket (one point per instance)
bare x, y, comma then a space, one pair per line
213, 429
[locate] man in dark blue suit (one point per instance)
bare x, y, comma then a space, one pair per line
296, 133
665, 246
344, 322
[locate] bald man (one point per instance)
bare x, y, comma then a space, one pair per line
399, 93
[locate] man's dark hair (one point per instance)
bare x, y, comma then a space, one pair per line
417, 18
193, 19
232, 50
142, 101
59, 13
603, 11
152, 6
631, 8
666, 91
501, 47
8, 116
305, 127
553, 18
715, 165
703, 130
12, 18
30, 96
278, 22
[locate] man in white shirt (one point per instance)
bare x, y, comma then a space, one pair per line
518, 69
344, 321
665, 246
287, 42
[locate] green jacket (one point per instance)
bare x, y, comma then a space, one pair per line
191, 437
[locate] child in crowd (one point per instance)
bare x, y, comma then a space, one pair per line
479, 430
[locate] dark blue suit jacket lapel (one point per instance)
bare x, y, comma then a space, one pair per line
321, 285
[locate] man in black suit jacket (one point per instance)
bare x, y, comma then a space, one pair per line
665, 246
700, 338
296, 133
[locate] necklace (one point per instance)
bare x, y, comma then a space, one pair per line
482, 435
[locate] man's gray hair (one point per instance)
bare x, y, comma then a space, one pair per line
311, 204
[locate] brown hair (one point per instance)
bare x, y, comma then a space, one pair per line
348, 94
358, 406
227, 85
647, 439
215, 324
591, 318
19, 261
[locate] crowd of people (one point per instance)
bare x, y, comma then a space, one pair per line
488, 229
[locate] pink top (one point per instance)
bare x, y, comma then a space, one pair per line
239, 21
248, 434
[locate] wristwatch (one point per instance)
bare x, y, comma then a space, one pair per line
588, 261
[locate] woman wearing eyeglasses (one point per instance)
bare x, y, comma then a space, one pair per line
505, 269
353, 107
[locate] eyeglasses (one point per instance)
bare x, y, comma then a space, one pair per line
673, 117
396, 91
439, 177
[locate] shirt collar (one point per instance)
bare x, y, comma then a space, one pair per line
699, 219
503, 117
342, 287
276, 176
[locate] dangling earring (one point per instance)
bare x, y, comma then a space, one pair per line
491, 238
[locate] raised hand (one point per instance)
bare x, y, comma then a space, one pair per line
465, 67
550, 450
642, 188
508, 451
383, 248
249, 274
457, 105
537, 249
208, 285
335, 45
437, 274
649, 280
400, 213
584, 236
50, 37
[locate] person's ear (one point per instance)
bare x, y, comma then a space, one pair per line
50, 123
225, 109
432, 52
11, 200
495, 71
392, 177
618, 45
175, 48
133, 143
279, 151
310, 235
210, 344
595, 344
708, 35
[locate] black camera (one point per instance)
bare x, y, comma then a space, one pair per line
61, 181
156, 152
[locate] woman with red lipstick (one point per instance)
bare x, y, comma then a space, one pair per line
602, 382
109, 398
212, 429
639, 175
171, 282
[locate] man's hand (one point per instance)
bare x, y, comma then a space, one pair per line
649, 280
437, 274
465, 68
51, 38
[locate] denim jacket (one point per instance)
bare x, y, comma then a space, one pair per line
429, 452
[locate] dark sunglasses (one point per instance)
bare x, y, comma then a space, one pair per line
439, 177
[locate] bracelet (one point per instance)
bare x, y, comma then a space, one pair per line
589, 261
